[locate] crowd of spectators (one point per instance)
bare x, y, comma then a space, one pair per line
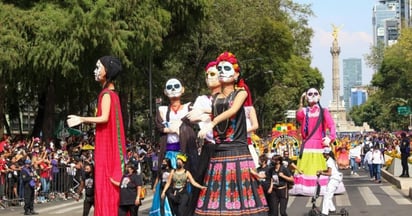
58, 165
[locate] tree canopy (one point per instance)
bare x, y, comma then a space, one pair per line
50, 49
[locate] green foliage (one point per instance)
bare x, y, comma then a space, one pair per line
50, 48
389, 88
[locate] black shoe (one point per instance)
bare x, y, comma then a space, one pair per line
407, 175
34, 213
27, 213
333, 212
402, 175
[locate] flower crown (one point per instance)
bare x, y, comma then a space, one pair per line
229, 57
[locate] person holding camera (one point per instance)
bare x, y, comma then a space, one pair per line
29, 181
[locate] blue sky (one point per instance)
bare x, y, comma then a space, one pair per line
355, 36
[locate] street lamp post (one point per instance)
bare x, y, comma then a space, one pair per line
150, 99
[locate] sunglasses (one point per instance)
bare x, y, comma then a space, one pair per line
313, 93
170, 87
226, 68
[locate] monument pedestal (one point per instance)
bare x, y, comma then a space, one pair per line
338, 113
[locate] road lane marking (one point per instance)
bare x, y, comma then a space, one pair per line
396, 196
318, 202
291, 200
342, 200
368, 196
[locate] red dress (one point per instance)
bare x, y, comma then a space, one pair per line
110, 155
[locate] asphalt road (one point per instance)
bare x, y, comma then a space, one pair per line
362, 197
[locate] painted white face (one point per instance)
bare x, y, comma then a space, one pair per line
212, 77
312, 95
98, 71
173, 88
226, 71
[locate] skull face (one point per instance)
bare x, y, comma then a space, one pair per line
212, 77
98, 71
312, 95
173, 88
226, 72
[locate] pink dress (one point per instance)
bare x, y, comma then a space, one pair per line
312, 159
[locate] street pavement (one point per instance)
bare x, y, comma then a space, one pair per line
362, 197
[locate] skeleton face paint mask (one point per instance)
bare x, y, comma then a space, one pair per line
226, 71
98, 70
312, 95
212, 77
173, 88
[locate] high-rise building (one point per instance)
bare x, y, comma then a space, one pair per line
388, 17
358, 96
352, 77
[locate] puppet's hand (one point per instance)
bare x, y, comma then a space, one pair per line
195, 115
203, 132
205, 118
326, 141
73, 120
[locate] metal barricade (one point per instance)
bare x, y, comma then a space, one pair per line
61, 185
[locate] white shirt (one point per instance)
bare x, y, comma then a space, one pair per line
174, 118
355, 152
368, 157
377, 157
335, 174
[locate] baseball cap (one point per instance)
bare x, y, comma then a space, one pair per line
326, 150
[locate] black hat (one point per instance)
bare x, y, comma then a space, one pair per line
112, 65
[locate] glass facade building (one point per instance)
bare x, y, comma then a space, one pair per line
352, 77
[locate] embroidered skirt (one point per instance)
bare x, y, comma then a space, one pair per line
231, 188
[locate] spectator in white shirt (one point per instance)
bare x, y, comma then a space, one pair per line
368, 161
355, 158
377, 161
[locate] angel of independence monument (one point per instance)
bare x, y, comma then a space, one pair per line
337, 107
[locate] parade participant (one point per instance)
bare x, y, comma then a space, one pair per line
87, 183
231, 169
317, 130
110, 148
29, 181
280, 177
177, 134
130, 187
335, 179
263, 170
178, 194
342, 154
405, 153
200, 113
288, 163
161, 207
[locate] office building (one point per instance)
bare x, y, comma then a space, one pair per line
352, 77
358, 96
388, 18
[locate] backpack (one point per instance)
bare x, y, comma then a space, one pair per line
366, 148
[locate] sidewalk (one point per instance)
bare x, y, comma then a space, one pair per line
405, 184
